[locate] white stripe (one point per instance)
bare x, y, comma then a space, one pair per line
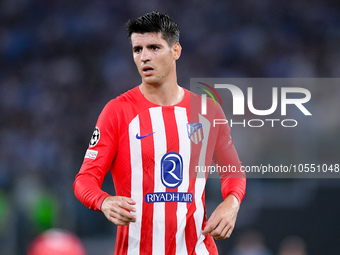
195, 138
200, 248
158, 237
199, 134
185, 152
136, 186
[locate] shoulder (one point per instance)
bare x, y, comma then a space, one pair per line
127, 97
125, 107
122, 101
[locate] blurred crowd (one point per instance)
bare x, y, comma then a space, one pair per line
61, 61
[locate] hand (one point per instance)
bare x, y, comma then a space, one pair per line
222, 221
118, 210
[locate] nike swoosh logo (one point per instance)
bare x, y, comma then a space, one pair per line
143, 136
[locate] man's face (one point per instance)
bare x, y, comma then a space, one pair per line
154, 58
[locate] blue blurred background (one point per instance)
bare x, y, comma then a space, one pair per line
62, 61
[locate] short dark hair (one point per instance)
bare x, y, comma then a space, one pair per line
155, 22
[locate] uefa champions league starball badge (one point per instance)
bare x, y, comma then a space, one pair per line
95, 137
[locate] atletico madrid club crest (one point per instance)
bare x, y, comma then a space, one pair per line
95, 137
195, 132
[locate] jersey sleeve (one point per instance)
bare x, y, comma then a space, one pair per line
97, 161
233, 179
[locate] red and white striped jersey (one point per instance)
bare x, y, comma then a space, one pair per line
153, 152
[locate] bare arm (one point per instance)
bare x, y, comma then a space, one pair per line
222, 221
119, 210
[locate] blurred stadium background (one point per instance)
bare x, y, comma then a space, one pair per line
61, 61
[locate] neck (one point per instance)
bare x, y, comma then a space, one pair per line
165, 94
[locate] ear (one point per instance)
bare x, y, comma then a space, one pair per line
177, 49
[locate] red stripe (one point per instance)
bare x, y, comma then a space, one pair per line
172, 139
190, 230
148, 153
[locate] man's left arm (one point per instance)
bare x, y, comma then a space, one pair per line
222, 221
233, 186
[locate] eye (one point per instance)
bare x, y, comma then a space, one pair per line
137, 49
154, 47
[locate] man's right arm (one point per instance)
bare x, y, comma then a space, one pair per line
87, 189
98, 160
117, 209
96, 164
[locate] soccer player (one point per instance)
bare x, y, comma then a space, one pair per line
151, 140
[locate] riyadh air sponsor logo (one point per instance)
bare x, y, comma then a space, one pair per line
172, 170
169, 197
171, 177
143, 136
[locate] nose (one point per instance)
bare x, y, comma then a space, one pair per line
145, 56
